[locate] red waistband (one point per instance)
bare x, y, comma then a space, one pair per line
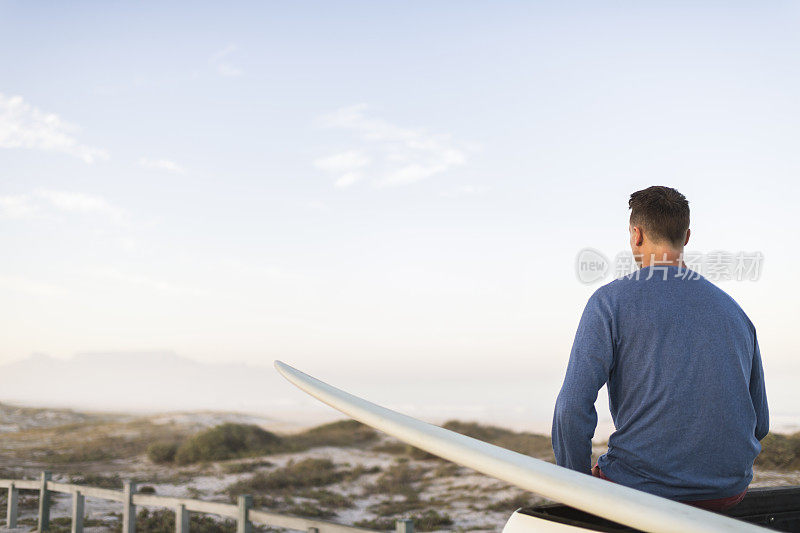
718, 504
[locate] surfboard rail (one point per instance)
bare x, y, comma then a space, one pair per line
596, 496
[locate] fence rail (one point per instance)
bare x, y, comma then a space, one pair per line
243, 512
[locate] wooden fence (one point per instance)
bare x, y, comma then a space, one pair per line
243, 512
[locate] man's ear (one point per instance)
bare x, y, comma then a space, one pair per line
638, 236
688, 232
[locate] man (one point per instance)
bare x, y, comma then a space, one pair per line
683, 368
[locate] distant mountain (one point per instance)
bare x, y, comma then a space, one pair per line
148, 381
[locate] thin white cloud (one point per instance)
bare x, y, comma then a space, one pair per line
346, 164
347, 179
25, 126
315, 205
393, 155
221, 63
77, 202
464, 190
162, 164
147, 282
31, 287
43, 201
16, 206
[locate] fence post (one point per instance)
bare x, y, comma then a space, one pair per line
11, 512
243, 524
404, 525
128, 509
77, 512
181, 519
44, 503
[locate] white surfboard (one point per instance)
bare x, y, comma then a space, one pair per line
596, 496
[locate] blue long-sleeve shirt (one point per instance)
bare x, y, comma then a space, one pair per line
685, 387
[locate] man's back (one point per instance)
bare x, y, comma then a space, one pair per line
685, 383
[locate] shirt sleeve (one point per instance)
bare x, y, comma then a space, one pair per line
590, 361
758, 392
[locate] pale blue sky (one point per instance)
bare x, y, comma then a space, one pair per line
368, 188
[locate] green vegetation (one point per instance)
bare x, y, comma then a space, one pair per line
163, 521
522, 442
228, 441
308, 473
241, 468
429, 520
393, 507
112, 481
93, 440
328, 499
401, 478
232, 441
396, 447
162, 452
779, 452
23, 502
344, 433
63, 524
312, 488
311, 510
378, 524
509, 505
528, 443
447, 470
304, 480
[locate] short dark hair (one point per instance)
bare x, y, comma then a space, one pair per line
663, 212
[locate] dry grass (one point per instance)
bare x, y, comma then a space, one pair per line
779, 452
308, 473
526, 443
429, 520
509, 505
402, 478
228, 441
344, 433
91, 441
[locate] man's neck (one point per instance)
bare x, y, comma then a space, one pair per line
662, 257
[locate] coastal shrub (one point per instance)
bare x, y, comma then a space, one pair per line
163, 521
95, 441
509, 505
63, 524
111, 481
242, 468
393, 507
360, 470
400, 478
523, 442
396, 447
227, 441
779, 452
308, 473
344, 433
429, 520
527, 443
377, 524
162, 452
328, 498
310, 510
